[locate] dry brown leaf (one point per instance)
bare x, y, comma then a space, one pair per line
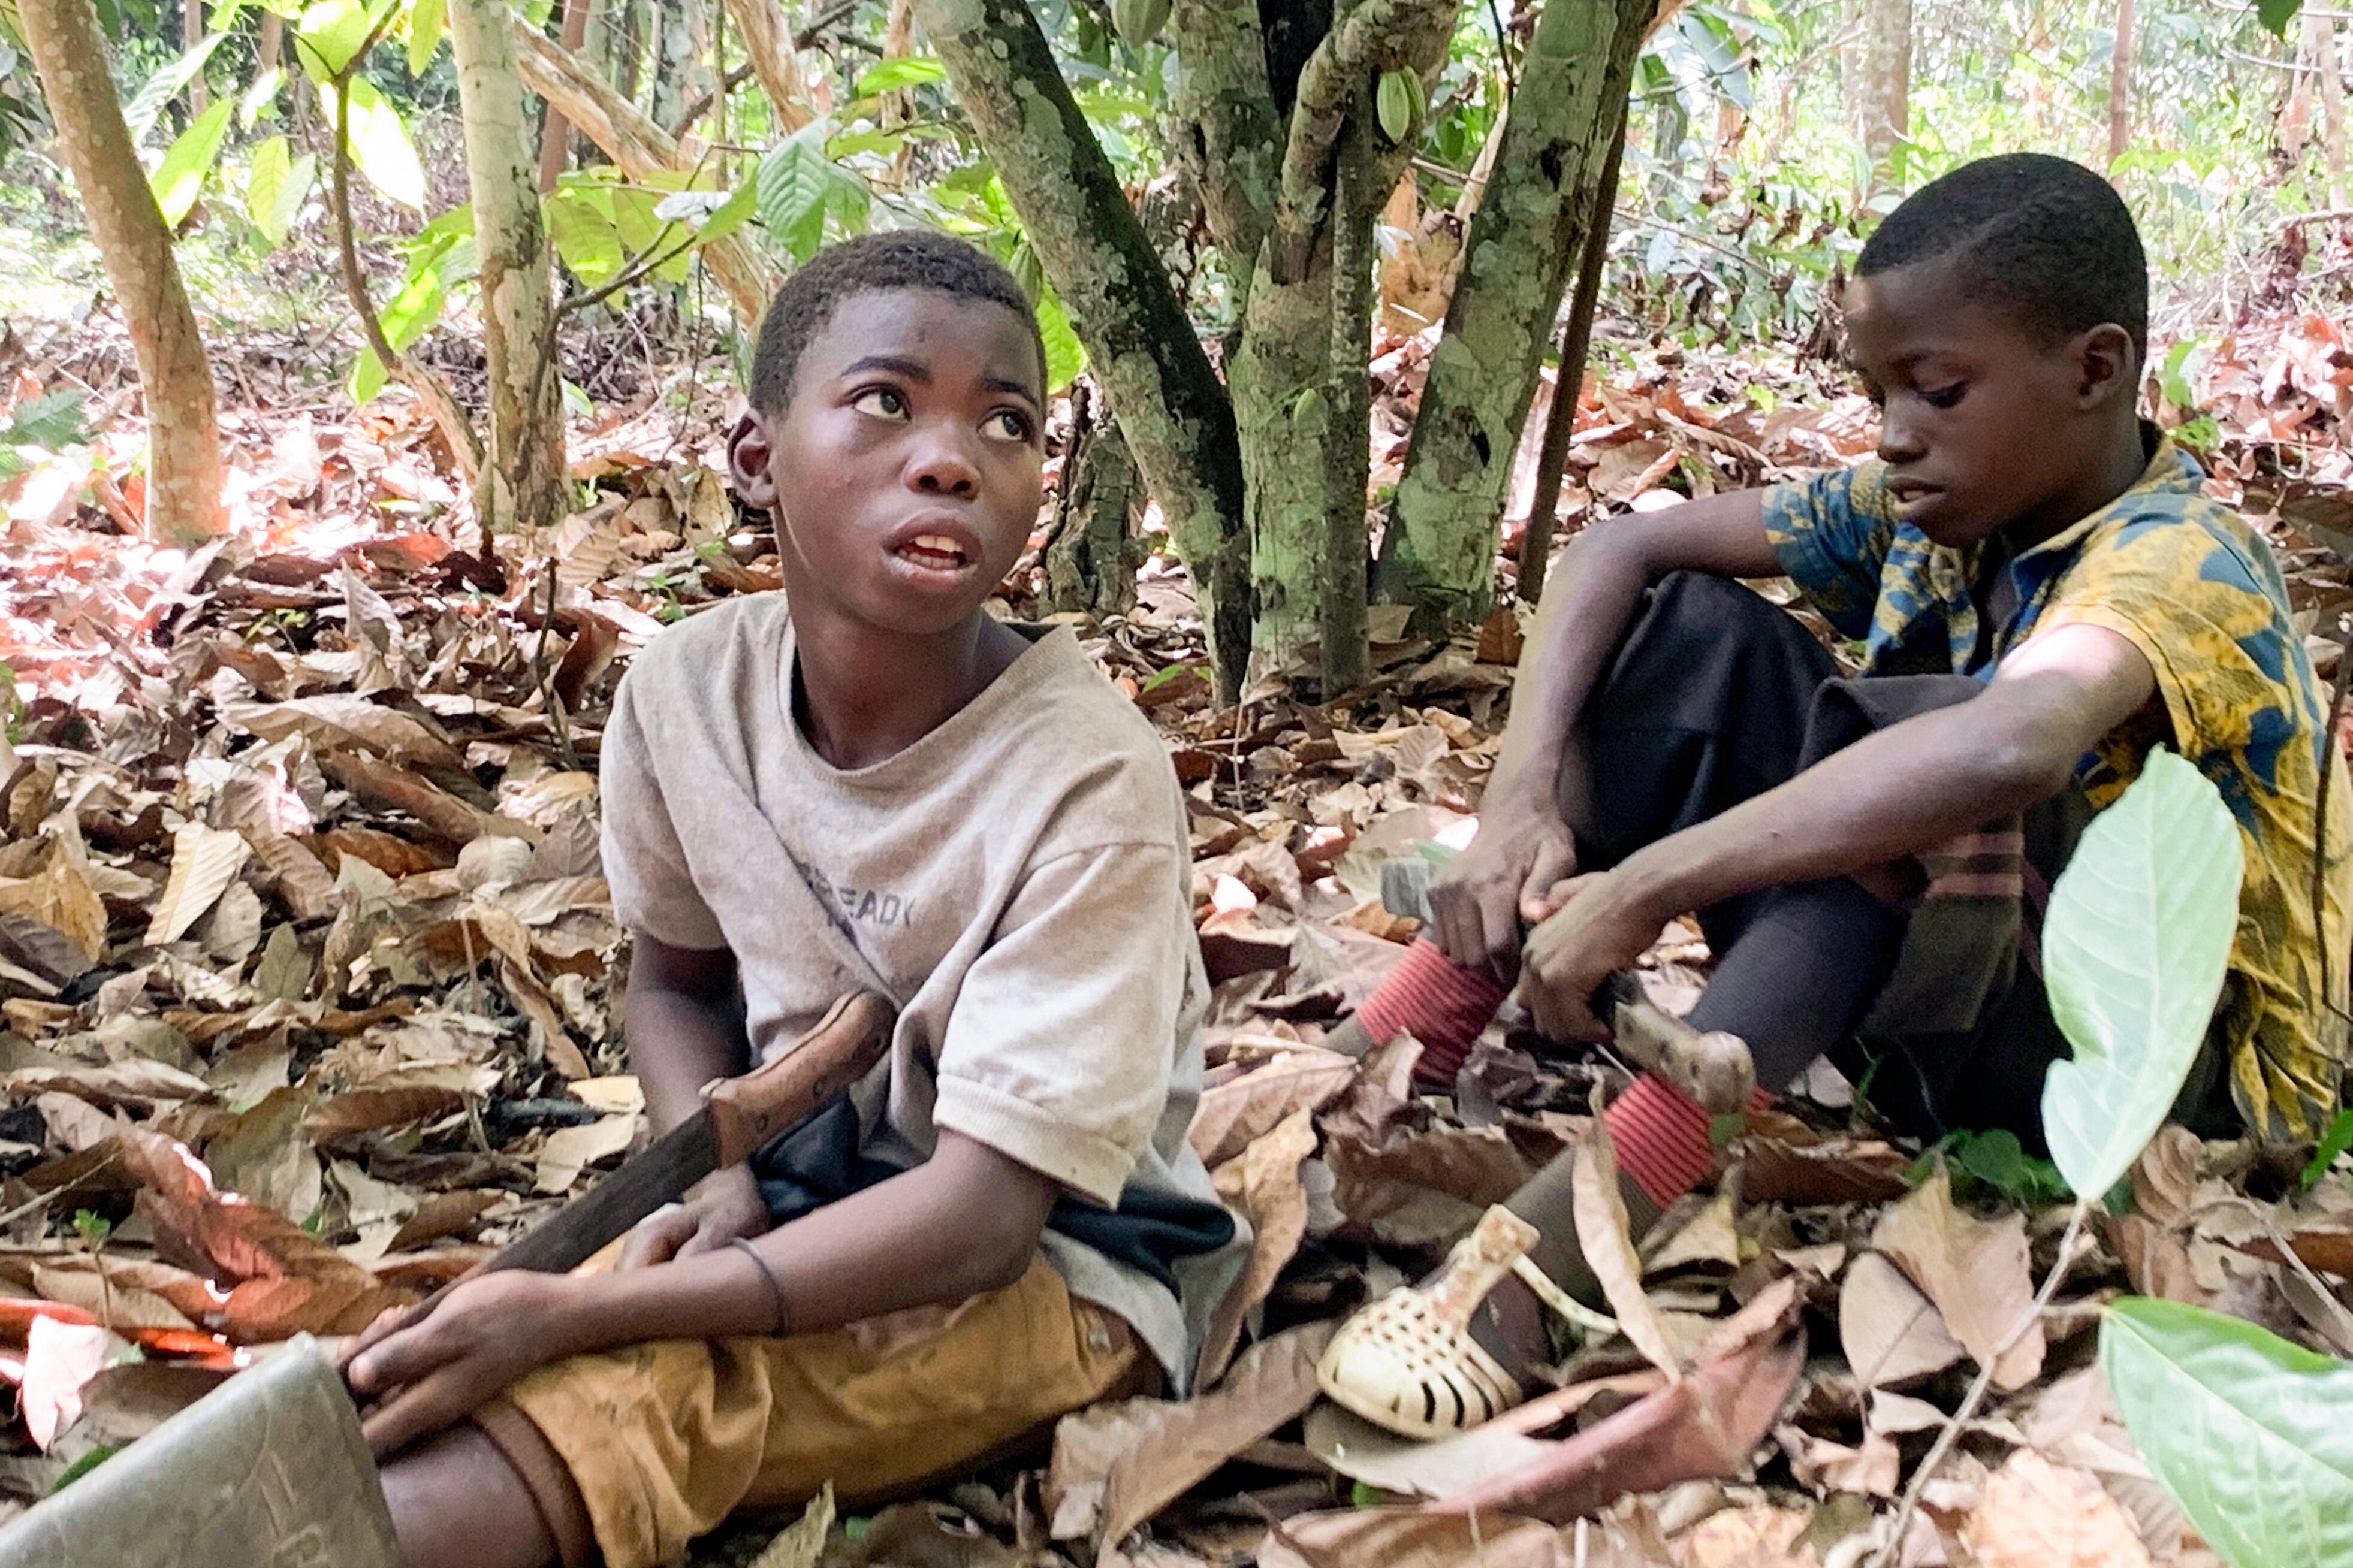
336, 720
1408, 1538
1410, 1188
266, 1155
1116, 1466
389, 786
1975, 1272
1708, 1237
1827, 1467
1601, 1213
1757, 1536
1263, 1181
1234, 1115
59, 1358
204, 861
2037, 1514
569, 1150
60, 895
367, 1109
1890, 1331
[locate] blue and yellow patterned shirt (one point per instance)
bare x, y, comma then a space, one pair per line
2184, 580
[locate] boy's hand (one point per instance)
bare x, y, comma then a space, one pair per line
1599, 929
1478, 903
481, 1337
723, 1206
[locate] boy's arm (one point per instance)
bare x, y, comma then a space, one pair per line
684, 1023
1524, 844
964, 1222
1887, 796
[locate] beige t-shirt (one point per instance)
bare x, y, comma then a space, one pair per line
1017, 881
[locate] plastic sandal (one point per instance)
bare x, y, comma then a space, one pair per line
1407, 1362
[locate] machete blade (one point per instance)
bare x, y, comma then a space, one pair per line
656, 1175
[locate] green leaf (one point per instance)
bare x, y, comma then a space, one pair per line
416, 307
794, 181
1394, 100
266, 190
181, 175
585, 239
380, 144
427, 19
908, 70
2278, 13
2132, 953
2246, 1430
261, 95
329, 35
2173, 379
52, 421
2333, 1142
166, 85
1065, 356
367, 378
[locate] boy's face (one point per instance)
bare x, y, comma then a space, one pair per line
905, 473
1985, 422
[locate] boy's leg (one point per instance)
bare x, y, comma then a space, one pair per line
655, 1444
458, 1502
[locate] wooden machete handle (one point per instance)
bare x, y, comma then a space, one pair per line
747, 1112
1713, 1068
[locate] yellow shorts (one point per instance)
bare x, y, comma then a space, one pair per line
657, 1443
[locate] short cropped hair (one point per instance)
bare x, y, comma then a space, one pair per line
2046, 237
904, 258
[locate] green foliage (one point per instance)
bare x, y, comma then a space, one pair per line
380, 146
2134, 948
2333, 1142
181, 175
2246, 1430
92, 1226
51, 421
2278, 13
800, 187
427, 21
84, 1465
908, 70
1995, 1161
275, 188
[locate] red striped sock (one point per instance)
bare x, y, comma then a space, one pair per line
1443, 1003
1660, 1137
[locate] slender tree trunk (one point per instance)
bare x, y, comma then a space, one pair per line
2330, 59
269, 44
1091, 564
523, 473
555, 130
768, 43
1575, 349
192, 32
683, 32
643, 151
1887, 90
2120, 85
183, 464
1439, 550
1347, 444
629, 40
1179, 421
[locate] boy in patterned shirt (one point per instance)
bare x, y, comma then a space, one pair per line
2041, 591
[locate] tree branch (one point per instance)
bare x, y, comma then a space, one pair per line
643, 149
1229, 135
441, 407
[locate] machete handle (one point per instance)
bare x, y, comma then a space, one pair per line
746, 1111
1713, 1068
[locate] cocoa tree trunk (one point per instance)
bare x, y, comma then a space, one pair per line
184, 464
2330, 63
523, 478
192, 32
768, 43
1887, 88
1438, 552
1347, 443
1575, 349
1178, 418
555, 130
2120, 84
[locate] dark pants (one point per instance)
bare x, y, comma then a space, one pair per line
1716, 696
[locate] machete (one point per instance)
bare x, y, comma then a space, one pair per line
737, 1116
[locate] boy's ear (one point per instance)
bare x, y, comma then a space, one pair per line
2110, 367
749, 449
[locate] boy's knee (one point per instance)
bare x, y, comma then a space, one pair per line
1704, 603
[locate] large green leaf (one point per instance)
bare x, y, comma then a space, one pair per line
329, 35
793, 180
2278, 13
427, 21
2132, 953
380, 144
583, 238
265, 185
2247, 1431
908, 70
166, 85
181, 175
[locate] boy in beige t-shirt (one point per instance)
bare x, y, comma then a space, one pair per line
863, 783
